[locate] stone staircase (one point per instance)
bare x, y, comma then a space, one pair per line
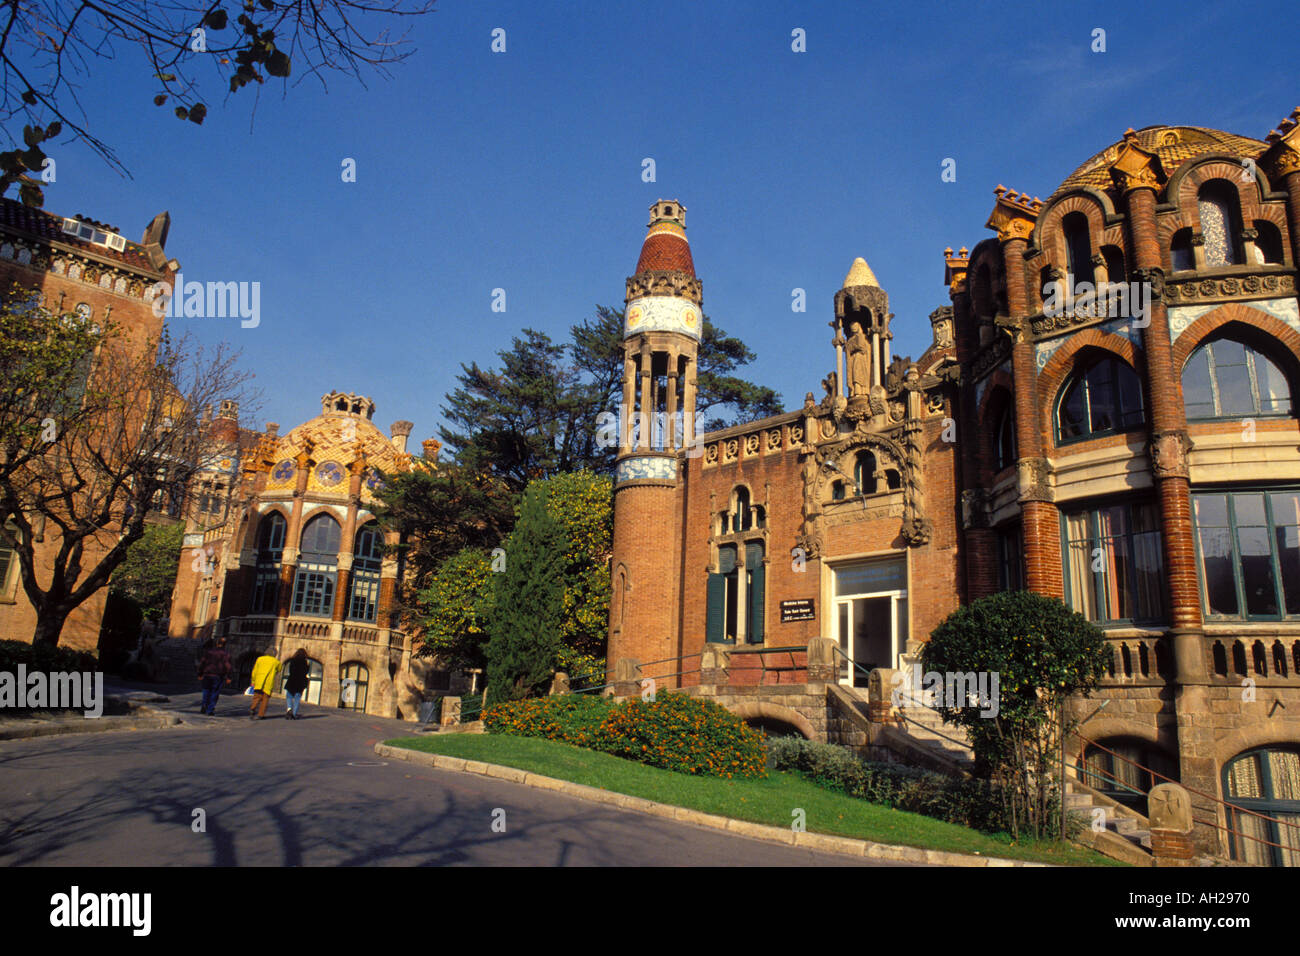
924, 725
1127, 834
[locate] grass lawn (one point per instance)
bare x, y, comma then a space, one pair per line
769, 801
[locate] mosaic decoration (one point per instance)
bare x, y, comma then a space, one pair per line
330, 473
373, 481
284, 471
1284, 310
658, 313
1214, 229
658, 467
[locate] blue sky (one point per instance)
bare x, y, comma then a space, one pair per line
478, 170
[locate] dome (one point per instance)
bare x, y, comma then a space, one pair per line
666, 248
334, 440
1173, 144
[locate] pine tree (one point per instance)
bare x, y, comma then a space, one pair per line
527, 616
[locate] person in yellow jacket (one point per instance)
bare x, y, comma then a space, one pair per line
264, 670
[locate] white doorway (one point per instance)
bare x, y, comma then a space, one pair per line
870, 615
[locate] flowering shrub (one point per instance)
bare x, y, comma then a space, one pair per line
675, 732
572, 718
682, 733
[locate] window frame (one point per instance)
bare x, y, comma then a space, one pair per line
366, 573
1251, 351
1093, 510
1242, 615
1270, 806
1078, 376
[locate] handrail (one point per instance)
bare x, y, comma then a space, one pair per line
1154, 773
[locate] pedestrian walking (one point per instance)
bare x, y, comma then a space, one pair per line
214, 671
295, 682
264, 670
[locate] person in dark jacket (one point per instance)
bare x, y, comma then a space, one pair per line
214, 670
295, 682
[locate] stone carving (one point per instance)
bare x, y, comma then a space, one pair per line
941, 326
1168, 451
896, 411
751, 444
859, 362
711, 455
1170, 808
730, 450
677, 284
774, 440
828, 428
831, 383
974, 508
1034, 479
1267, 284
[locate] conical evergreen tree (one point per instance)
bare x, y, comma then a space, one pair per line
528, 611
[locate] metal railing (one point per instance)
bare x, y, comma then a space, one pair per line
1082, 770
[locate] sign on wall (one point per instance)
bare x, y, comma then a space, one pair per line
803, 609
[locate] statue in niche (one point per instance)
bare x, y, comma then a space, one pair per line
859, 361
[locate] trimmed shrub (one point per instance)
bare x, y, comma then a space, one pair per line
681, 733
971, 803
572, 718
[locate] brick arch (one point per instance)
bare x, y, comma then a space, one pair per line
1061, 364
999, 394
752, 709
1188, 179
1048, 235
1235, 312
255, 525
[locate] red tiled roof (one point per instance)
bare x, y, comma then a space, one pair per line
17, 217
666, 250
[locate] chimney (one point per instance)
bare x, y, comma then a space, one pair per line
272, 429
155, 240
400, 431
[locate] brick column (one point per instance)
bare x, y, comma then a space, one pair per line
1169, 440
1040, 522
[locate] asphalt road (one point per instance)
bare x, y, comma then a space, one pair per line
312, 792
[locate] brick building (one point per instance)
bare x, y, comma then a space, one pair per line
77, 264
282, 551
1135, 452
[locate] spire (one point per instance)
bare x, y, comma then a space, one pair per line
860, 274
665, 248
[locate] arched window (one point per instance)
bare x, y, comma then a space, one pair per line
1180, 251
354, 681
1225, 378
741, 518
1268, 243
1125, 769
266, 577
367, 558
1004, 439
1262, 789
1114, 257
1100, 398
318, 561
1217, 205
864, 473
315, 677
1078, 247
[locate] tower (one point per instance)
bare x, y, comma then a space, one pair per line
661, 337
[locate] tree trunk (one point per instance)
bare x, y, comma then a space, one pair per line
49, 625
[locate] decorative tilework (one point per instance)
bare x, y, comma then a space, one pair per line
659, 467
662, 313
1284, 310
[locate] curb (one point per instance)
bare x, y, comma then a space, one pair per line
89, 726
758, 831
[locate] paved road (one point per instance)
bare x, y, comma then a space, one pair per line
313, 793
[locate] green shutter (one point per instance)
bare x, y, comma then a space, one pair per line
755, 612
716, 609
